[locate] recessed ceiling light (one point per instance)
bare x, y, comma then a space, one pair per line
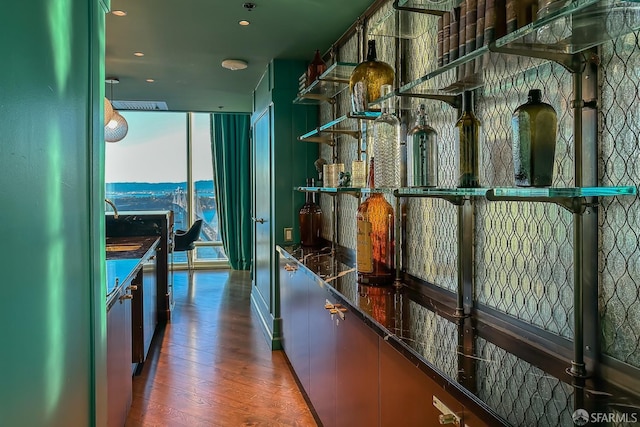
138, 53
234, 64
244, 23
150, 80
119, 13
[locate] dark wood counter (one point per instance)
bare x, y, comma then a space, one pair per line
494, 378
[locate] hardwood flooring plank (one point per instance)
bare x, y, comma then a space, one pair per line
211, 366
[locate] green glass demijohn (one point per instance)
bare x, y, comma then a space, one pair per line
367, 79
535, 127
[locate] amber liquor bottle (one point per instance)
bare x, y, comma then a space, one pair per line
375, 238
310, 218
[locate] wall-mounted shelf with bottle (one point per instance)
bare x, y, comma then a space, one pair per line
567, 197
354, 191
572, 198
330, 83
406, 27
325, 133
558, 36
456, 196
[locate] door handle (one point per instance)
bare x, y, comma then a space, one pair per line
260, 220
125, 297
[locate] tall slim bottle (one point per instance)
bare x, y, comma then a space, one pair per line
469, 142
375, 238
310, 218
389, 149
422, 153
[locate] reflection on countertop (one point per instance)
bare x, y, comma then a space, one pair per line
125, 255
514, 381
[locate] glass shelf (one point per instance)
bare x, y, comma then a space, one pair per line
456, 196
324, 134
572, 198
557, 36
330, 83
347, 190
437, 192
569, 192
408, 25
579, 25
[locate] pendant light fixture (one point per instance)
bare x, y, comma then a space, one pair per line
117, 127
108, 111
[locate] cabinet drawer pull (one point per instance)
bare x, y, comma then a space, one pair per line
132, 288
125, 297
448, 419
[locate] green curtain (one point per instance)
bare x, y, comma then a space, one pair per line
230, 148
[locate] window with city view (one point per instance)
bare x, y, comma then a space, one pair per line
149, 170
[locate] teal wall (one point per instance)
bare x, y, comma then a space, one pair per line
51, 209
288, 164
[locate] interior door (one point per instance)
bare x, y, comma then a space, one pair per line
262, 244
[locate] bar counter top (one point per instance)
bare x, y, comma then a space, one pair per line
125, 255
487, 370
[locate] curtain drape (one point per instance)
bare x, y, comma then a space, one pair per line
230, 148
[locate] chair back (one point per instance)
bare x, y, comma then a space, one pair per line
185, 241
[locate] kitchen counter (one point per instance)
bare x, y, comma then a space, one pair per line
487, 370
125, 256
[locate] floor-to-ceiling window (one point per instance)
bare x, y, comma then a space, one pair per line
164, 163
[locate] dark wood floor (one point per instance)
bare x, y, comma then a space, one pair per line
212, 366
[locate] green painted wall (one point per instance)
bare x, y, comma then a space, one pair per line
51, 214
289, 163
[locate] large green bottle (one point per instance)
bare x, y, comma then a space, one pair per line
367, 79
469, 142
535, 126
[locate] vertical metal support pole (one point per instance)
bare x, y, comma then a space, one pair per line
334, 225
465, 263
578, 367
398, 242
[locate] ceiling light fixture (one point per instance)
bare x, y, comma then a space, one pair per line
119, 13
116, 128
244, 23
234, 64
108, 111
150, 80
138, 54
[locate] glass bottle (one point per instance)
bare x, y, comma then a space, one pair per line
422, 153
389, 149
367, 78
535, 127
315, 68
375, 238
310, 218
469, 143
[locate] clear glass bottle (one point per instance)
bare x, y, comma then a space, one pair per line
389, 149
315, 68
367, 78
535, 128
375, 238
469, 144
422, 153
310, 219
